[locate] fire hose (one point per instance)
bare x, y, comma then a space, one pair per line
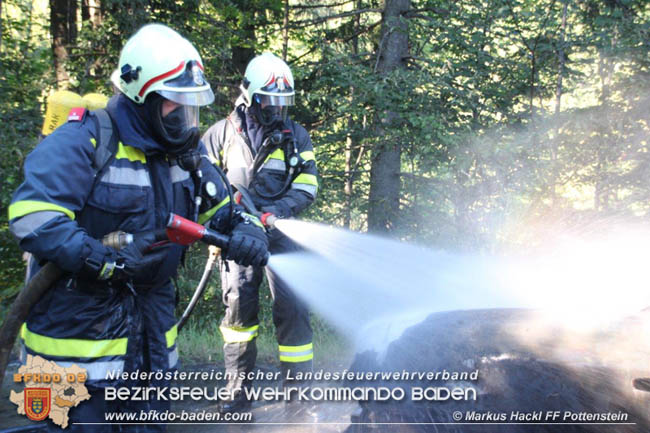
179, 231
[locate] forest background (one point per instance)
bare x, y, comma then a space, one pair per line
483, 126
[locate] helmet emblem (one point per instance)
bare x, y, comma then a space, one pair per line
197, 76
280, 83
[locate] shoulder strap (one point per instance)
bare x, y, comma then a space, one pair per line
107, 141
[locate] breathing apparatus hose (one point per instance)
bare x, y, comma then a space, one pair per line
293, 161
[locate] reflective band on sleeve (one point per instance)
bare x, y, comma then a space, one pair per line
276, 154
24, 207
72, 346
311, 189
307, 155
274, 164
178, 174
172, 357
238, 335
126, 176
207, 215
97, 370
31, 222
130, 153
297, 353
307, 179
171, 335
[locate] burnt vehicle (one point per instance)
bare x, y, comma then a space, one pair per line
526, 366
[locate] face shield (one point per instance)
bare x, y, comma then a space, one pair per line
178, 121
176, 109
270, 109
175, 126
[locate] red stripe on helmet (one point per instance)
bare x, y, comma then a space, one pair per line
161, 77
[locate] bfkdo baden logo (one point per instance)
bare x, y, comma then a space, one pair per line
50, 390
37, 403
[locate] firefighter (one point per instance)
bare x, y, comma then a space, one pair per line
262, 149
113, 310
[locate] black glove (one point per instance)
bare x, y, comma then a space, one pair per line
248, 245
138, 261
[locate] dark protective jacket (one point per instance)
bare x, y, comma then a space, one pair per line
59, 213
228, 142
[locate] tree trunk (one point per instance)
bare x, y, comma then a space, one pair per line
386, 156
85, 11
63, 29
560, 60
0, 25
558, 102
605, 72
349, 142
285, 31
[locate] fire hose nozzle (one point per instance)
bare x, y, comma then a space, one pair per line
184, 232
268, 219
117, 240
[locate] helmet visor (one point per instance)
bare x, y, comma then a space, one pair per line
189, 88
186, 97
275, 100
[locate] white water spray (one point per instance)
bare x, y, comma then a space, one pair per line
374, 288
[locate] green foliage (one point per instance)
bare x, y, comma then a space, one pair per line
486, 162
24, 60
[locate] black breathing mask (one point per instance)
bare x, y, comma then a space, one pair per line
178, 131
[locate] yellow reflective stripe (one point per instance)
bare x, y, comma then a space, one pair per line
93, 142
307, 155
302, 348
130, 153
297, 353
171, 335
24, 207
302, 358
207, 215
254, 220
72, 346
277, 154
308, 179
238, 335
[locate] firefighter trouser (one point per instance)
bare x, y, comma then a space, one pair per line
239, 327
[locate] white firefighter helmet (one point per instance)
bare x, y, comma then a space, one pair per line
268, 88
158, 59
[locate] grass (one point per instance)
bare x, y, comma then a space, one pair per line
201, 344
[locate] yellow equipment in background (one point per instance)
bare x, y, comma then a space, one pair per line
61, 102
95, 101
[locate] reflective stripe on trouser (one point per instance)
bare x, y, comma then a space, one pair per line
295, 354
170, 337
105, 350
241, 298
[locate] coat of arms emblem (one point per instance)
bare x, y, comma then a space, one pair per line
37, 403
